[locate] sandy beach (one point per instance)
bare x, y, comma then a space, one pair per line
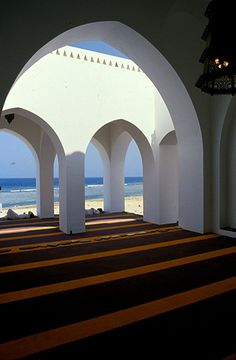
133, 204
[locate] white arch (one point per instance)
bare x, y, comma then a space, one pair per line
42, 124
150, 60
175, 96
113, 140
46, 144
112, 145
121, 156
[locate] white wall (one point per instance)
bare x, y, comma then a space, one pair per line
82, 96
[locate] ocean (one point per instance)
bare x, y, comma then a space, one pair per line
22, 192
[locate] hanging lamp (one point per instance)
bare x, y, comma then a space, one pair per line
219, 56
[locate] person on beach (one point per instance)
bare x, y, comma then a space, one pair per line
12, 215
93, 211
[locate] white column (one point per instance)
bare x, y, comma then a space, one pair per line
44, 181
103, 149
168, 178
117, 193
114, 182
107, 185
150, 188
114, 174
72, 193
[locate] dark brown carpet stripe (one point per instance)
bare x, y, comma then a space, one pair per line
6, 234
63, 240
40, 225
86, 266
91, 266
129, 250
197, 331
45, 253
38, 342
107, 277
6, 240
146, 287
56, 310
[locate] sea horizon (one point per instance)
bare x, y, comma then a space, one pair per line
22, 191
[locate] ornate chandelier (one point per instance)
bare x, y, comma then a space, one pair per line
219, 57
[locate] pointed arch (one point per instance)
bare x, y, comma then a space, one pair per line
46, 144
175, 96
112, 140
42, 124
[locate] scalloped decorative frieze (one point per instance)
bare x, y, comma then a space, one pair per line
99, 60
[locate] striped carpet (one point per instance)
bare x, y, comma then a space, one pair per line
125, 286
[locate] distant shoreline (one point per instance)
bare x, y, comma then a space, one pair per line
133, 204
23, 191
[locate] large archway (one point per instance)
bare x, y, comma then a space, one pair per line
175, 96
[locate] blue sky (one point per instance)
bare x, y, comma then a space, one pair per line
99, 46
17, 161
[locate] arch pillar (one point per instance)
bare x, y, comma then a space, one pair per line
151, 209
118, 148
168, 179
44, 180
72, 193
115, 189
112, 142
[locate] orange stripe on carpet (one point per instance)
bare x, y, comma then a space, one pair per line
81, 241
30, 345
112, 276
97, 255
61, 233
